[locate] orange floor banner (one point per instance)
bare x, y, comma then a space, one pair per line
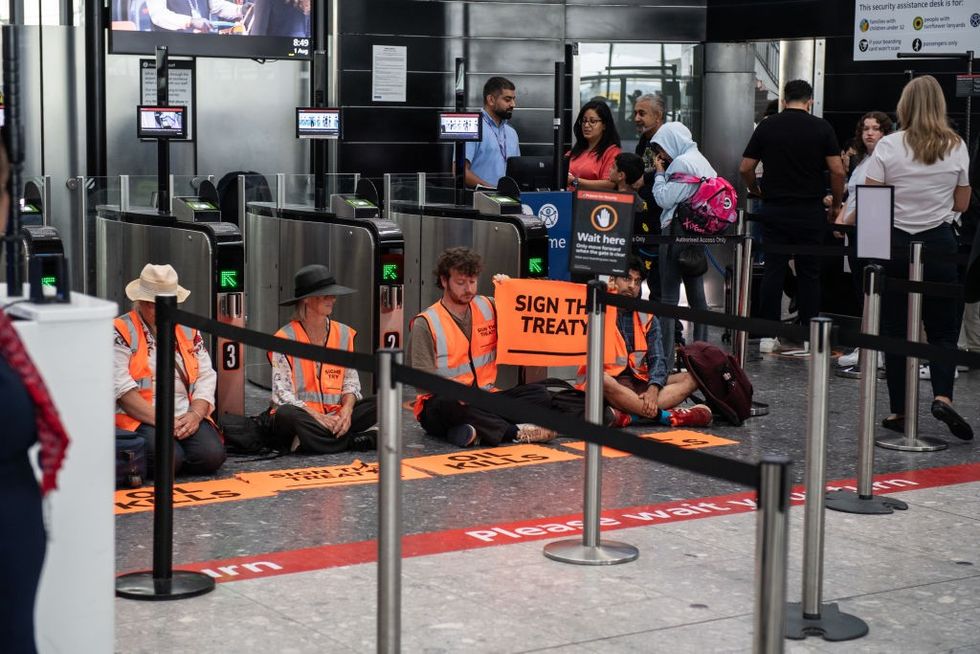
688, 440
542, 322
186, 494
357, 472
513, 456
608, 452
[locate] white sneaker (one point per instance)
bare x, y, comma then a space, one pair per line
848, 360
768, 345
528, 433
924, 372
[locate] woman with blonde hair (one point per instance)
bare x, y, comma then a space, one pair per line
928, 165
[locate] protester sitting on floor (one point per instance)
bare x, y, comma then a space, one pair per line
317, 407
635, 381
197, 447
456, 338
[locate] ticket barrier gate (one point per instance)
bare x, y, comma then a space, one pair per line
509, 242
45, 265
37, 201
209, 258
361, 250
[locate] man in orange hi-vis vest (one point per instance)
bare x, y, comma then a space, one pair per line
317, 407
456, 338
197, 447
635, 382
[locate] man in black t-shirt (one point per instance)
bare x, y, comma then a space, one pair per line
648, 116
796, 149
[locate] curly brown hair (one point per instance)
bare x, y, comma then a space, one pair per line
460, 259
884, 121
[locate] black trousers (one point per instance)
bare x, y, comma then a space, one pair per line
942, 322
200, 454
439, 415
291, 422
800, 225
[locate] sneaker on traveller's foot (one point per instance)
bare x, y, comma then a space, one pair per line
768, 345
462, 435
620, 419
528, 433
698, 415
848, 360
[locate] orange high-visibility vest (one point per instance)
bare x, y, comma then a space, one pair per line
471, 362
130, 328
617, 357
319, 393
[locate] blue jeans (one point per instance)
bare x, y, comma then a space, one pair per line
938, 314
670, 293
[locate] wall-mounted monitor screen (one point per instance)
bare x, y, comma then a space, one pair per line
317, 123
161, 122
454, 126
258, 29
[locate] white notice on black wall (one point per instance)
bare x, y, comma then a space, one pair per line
883, 28
180, 90
389, 71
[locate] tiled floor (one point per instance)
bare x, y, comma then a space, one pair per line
913, 576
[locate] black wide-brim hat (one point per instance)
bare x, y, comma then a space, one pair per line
314, 280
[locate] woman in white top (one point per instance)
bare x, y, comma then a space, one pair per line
928, 164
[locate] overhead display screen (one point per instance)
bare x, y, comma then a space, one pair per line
258, 29
459, 126
315, 123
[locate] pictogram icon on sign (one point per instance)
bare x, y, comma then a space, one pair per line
604, 217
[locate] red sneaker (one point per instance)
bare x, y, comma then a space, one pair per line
698, 415
620, 419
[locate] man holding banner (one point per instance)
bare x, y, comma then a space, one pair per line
456, 338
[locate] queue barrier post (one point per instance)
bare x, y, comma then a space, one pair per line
771, 545
589, 550
811, 616
743, 302
389, 503
863, 500
912, 442
163, 582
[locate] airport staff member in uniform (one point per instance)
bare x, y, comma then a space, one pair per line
197, 447
635, 381
456, 338
486, 160
317, 407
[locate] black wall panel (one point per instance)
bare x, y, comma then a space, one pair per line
519, 40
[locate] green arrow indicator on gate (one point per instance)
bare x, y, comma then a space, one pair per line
535, 265
229, 279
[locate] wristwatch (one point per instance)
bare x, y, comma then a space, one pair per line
574, 183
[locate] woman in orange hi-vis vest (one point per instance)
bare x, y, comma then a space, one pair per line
197, 447
456, 338
317, 407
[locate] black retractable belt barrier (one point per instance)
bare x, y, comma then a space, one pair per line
932, 289
163, 582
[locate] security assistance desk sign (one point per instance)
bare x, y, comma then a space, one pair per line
883, 28
602, 232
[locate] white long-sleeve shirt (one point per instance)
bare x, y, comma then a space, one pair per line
207, 378
166, 19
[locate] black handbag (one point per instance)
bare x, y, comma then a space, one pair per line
690, 257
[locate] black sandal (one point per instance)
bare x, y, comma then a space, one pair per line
957, 425
894, 423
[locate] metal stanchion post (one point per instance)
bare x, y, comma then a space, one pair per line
864, 501
386, 191
911, 442
811, 617
771, 542
389, 504
589, 550
738, 280
164, 583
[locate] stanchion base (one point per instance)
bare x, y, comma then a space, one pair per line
850, 502
830, 624
921, 444
759, 409
183, 584
607, 552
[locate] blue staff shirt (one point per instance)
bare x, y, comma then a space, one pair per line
488, 158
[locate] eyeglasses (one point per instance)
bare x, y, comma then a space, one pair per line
591, 121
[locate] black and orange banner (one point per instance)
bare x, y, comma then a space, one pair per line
542, 322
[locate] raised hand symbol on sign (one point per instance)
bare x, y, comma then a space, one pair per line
604, 217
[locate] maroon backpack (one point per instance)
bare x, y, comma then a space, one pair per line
727, 389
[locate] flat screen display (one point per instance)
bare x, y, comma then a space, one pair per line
260, 29
315, 123
161, 122
460, 126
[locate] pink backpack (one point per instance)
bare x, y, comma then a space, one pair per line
711, 209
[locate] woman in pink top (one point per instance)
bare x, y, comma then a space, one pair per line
595, 150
